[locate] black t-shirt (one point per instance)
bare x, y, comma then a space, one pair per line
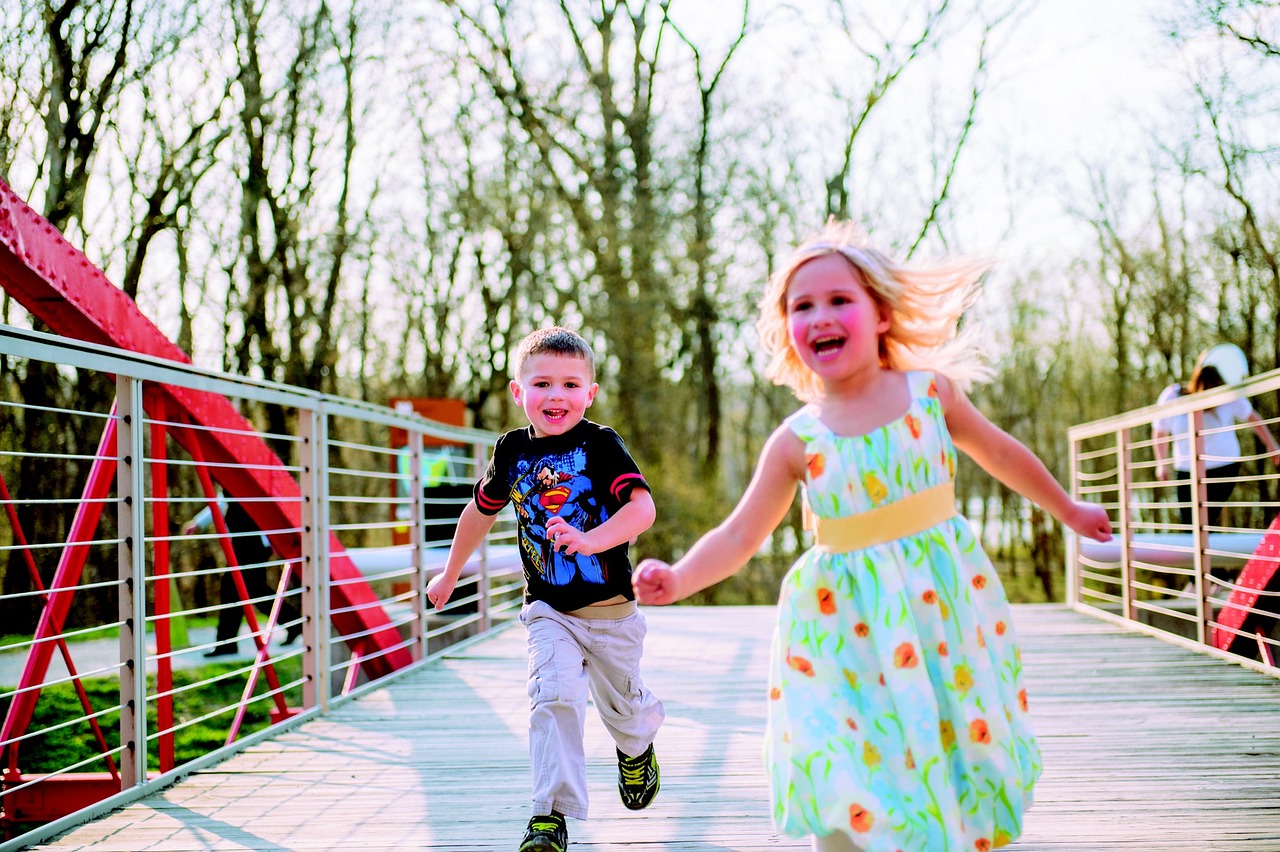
584, 476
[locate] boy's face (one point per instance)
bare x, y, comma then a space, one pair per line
554, 391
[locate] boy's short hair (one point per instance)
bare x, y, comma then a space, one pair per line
555, 340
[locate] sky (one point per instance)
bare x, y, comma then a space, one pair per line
1082, 82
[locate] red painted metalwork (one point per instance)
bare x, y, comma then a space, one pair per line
1259, 573
55, 796
160, 570
58, 284
28, 699
65, 578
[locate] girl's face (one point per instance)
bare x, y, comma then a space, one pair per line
555, 392
833, 322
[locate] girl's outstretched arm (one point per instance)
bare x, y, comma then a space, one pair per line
1008, 460
721, 552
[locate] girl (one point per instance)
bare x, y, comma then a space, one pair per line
897, 717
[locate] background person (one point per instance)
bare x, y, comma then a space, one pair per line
1221, 448
252, 552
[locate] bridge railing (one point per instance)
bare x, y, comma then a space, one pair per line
113, 678
1188, 563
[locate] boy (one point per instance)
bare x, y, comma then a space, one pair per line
579, 499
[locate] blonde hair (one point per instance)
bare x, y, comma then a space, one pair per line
924, 305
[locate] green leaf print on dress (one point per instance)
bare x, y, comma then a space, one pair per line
898, 715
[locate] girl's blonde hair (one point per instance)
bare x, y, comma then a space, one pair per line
924, 305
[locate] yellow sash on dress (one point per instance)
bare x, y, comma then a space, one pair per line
908, 516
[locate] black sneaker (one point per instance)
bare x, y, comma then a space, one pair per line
545, 834
638, 779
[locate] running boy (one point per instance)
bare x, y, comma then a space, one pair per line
579, 499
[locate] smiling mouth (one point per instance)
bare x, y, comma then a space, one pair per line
555, 413
827, 345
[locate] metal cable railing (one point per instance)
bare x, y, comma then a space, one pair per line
320, 532
1196, 550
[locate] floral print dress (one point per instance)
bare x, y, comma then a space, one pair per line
897, 713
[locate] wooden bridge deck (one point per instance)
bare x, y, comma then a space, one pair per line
1147, 747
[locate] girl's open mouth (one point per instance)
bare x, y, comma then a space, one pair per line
825, 346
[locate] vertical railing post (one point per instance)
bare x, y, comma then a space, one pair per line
130, 517
1199, 522
1124, 488
418, 541
322, 596
482, 581
1073, 542
315, 635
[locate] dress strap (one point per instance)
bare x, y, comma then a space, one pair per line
922, 384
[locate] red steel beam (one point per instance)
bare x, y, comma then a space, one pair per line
58, 284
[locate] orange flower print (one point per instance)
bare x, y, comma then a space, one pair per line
979, 581
911, 760
913, 423
852, 678
800, 664
853, 726
964, 678
876, 489
860, 819
1022, 700
978, 732
933, 387
948, 733
1000, 628
870, 754
775, 694
982, 844
942, 649
817, 464
861, 630
905, 656
930, 597
882, 680
826, 601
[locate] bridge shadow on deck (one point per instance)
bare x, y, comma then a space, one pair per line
1147, 747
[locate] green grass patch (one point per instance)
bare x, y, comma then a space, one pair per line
76, 742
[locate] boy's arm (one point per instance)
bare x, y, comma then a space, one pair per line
635, 516
473, 526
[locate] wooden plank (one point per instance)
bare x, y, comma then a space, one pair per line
1148, 748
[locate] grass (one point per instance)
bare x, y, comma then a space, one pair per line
74, 743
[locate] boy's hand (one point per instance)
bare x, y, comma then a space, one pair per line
1090, 520
655, 583
567, 538
439, 590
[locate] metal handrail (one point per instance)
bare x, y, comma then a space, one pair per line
336, 441
1180, 579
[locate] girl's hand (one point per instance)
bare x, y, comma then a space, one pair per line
655, 583
1089, 520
